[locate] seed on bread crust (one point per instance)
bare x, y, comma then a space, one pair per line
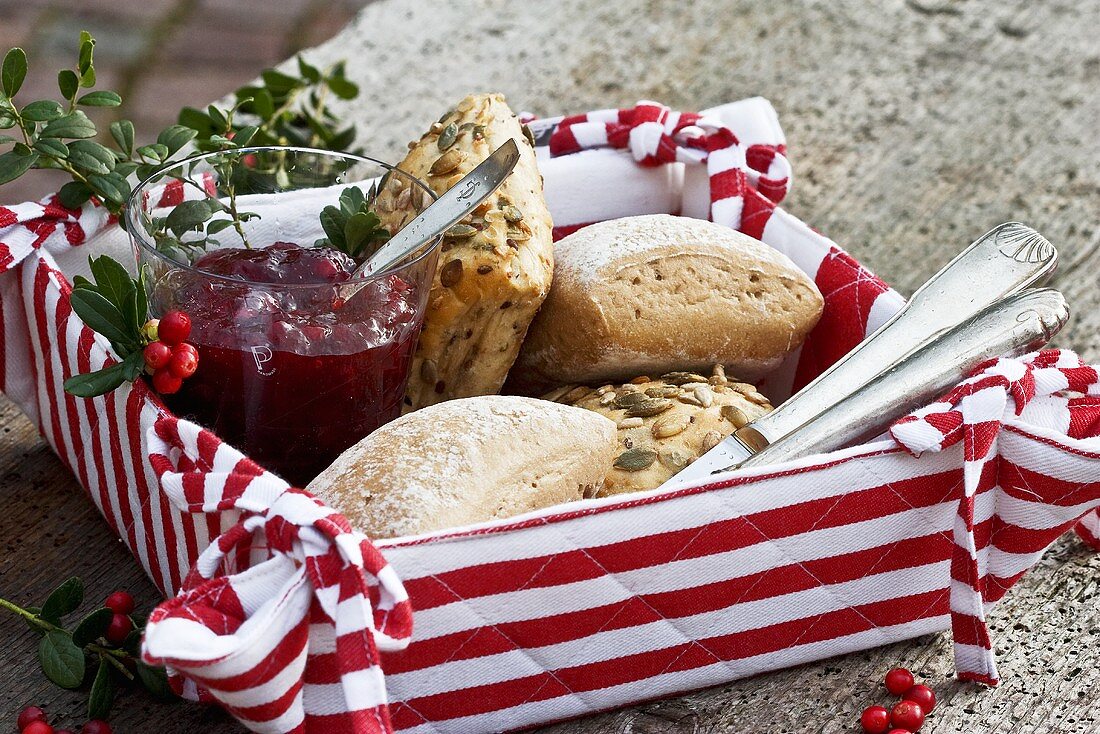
635, 459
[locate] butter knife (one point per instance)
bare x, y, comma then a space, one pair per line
1005, 260
1013, 326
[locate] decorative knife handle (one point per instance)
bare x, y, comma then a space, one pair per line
1005, 260
1016, 325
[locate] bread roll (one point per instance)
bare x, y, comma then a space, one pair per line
653, 294
467, 461
494, 268
665, 424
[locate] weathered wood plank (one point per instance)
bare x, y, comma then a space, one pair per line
913, 128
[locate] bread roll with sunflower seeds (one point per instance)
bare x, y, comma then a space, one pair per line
468, 461
494, 267
657, 293
667, 423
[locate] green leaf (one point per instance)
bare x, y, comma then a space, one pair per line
14, 165
155, 681
358, 231
68, 82
112, 280
133, 366
61, 660
65, 599
52, 147
111, 186
352, 200
175, 137
188, 215
102, 694
343, 139
332, 221
218, 225
263, 104
243, 136
309, 73
87, 45
91, 156
132, 643
87, 78
92, 627
196, 120
103, 317
6, 121
100, 99
343, 88
91, 384
156, 152
36, 611
278, 82
74, 194
73, 125
43, 110
14, 71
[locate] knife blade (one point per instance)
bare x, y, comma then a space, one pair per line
1005, 260
1013, 326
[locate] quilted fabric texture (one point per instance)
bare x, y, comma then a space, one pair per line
570, 610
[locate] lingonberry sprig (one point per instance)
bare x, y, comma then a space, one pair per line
116, 306
353, 227
102, 650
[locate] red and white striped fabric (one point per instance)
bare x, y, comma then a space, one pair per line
573, 609
974, 414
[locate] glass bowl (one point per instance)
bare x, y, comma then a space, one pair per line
297, 361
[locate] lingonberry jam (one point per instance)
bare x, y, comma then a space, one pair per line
296, 364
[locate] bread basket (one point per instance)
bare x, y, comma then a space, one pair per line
283, 614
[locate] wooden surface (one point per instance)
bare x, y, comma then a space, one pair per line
912, 130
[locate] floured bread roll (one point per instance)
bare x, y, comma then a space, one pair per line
658, 293
666, 424
494, 267
467, 461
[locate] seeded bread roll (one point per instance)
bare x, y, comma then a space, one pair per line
467, 461
494, 267
652, 294
666, 424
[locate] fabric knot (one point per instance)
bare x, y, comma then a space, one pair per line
48, 225
973, 414
288, 594
656, 135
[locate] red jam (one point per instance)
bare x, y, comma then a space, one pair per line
295, 373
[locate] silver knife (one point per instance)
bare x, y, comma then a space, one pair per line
1014, 326
1005, 260
444, 212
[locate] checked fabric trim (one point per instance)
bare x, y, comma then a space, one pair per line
282, 617
974, 413
656, 135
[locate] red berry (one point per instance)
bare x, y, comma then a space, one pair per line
29, 714
898, 681
37, 727
165, 382
184, 362
64, 731
899, 731
157, 355
875, 720
923, 696
907, 715
174, 328
120, 602
118, 629
96, 726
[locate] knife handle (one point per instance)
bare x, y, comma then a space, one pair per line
1017, 325
1005, 260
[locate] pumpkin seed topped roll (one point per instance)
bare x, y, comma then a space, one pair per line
494, 267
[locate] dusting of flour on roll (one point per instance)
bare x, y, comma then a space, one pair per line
466, 461
660, 293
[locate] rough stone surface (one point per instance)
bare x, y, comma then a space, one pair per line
913, 128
